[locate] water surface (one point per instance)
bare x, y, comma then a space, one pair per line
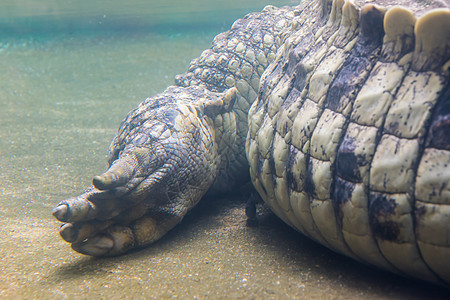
71, 70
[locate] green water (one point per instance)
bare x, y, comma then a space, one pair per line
70, 72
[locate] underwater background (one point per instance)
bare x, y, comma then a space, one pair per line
69, 73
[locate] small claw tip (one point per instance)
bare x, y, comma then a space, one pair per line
66, 232
60, 212
97, 246
99, 182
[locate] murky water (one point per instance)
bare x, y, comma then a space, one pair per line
70, 71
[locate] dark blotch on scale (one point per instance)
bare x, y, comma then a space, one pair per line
309, 186
371, 20
347, 162
439, 133
342, 193
297, 81
293, 96
346, 83
292, 182
352, 75
380, 210
300, 74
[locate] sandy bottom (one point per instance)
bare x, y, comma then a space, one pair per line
211, 254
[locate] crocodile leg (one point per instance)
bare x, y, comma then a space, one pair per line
179, 144
250, 210
163, 161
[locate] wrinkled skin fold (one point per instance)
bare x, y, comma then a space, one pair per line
340, 108
159, 169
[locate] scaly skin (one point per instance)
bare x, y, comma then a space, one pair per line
177, 145
348, 140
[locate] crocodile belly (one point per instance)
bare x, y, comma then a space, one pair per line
349, 139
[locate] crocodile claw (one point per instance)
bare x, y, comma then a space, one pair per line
60, 212
97, 246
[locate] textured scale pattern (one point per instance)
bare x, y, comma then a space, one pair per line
238, 58
340, 108
343, 140
177, 145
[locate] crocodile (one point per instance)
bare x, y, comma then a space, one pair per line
340, 110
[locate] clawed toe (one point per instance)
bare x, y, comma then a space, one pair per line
78, 232
67, 233
77, 209
60, 212
96, 246
116, 240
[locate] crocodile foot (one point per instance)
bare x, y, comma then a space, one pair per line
162, 162
119, 212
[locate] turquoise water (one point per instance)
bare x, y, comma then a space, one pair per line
70, 72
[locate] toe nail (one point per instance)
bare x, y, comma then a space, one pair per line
97, 246
66, 232
60, 212
104, 243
